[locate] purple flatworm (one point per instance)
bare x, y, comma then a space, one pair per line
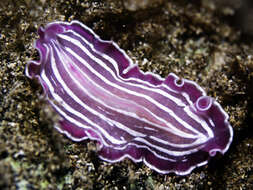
169, 124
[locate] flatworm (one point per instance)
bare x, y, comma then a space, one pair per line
169, 124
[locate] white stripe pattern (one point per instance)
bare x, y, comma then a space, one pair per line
100, 94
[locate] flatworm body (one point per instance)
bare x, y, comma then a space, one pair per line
169, 124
